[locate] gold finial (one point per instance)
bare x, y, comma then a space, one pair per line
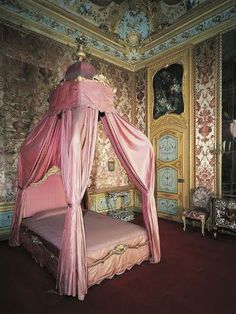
80, 53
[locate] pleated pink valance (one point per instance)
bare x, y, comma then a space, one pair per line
87, 93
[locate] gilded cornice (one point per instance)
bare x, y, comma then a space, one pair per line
63, 16
52, 21
204, 12
43, 19
196, 28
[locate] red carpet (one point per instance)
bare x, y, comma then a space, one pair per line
196, 276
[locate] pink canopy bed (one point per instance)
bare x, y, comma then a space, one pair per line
78, 246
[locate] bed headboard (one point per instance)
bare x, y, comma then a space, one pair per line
48, 193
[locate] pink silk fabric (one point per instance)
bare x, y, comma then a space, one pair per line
88, 93
66, 138
79, 130
53, 194
136, 155
38, 153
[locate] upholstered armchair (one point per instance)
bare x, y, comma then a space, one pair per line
199, 208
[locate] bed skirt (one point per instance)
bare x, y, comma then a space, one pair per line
121, 258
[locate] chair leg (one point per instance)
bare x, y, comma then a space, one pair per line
184, 222
203, 228
208, 225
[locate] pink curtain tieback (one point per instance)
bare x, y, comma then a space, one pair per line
19, 187
70, 204
147, 193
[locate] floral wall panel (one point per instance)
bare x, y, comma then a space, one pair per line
141, 100
2, 135
101, 178
206, 60
30, 66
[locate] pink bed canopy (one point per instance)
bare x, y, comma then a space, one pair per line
65, 137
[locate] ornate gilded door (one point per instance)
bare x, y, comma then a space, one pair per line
171, 169
170, 129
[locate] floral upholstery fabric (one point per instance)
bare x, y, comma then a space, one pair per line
225, 214
200, 199
196, 215
200, 206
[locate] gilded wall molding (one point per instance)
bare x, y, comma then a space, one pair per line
218, 117
180, 127
175, 120
181, 57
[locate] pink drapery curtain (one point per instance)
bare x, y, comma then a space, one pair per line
136, 155
79, 130
68, 141
38, 153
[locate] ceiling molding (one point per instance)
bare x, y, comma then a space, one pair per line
63, 16
46, 18
206, 10
193, 41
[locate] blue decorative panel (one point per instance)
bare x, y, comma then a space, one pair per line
167, 180
5, 218
134, 21
167, 206
167, 149
102, 202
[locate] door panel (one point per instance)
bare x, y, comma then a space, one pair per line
170, 128
169, 173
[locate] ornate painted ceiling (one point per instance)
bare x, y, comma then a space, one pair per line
124, 17
127, 32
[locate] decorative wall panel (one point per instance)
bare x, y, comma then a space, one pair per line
167, 149
30, 66
100, 202
5, 220
101, 178
167, 180
167, 206
206, 60
141, 100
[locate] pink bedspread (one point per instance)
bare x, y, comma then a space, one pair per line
48, 225
103, 233
113, 246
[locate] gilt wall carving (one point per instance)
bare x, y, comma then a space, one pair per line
30, 67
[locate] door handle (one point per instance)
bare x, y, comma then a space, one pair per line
181, 180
